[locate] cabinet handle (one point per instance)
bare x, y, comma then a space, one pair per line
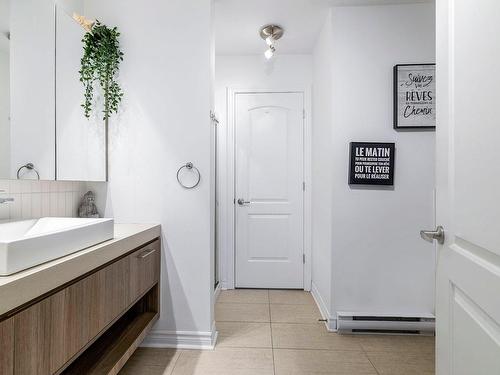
146, 253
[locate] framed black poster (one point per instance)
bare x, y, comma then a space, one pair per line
371, 163
415, 96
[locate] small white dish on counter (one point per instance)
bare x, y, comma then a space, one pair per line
27, 243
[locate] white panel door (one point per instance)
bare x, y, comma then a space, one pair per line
269, 187
468, 187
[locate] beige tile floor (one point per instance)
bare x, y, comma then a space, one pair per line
277, 332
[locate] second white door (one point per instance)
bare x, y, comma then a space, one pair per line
468, 188
269, 190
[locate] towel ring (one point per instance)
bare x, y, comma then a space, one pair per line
30, 167
189, 166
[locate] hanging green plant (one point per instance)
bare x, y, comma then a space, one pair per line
100, 64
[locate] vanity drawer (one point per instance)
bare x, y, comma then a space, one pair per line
144, 269
7, 347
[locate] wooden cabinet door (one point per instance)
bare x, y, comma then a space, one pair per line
7, 347
32, 343
144, 269
114, 291
75, 319
49, 333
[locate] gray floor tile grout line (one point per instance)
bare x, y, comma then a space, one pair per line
271, 329
265, 303
267, 321
242, 321
295, 349
369, 360
179, 353
246, 347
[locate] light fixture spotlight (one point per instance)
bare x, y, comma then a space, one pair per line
269, 52
271, 33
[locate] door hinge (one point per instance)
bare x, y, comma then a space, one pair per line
214, 118
303, 258
303, 186
304, 114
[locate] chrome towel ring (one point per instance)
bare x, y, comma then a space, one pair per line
30, 167
191, 167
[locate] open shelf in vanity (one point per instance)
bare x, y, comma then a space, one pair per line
110, 351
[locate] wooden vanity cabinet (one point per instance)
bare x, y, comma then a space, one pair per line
60, 333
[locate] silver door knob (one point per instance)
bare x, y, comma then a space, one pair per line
242, 202
430, 235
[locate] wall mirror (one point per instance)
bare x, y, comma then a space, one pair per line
43, 131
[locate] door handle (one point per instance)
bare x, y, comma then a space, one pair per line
146, 253
242, 202
430, 235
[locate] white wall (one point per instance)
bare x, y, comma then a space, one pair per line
254, 71
164, 123
380, 265
322, 171
249, 72
4, 107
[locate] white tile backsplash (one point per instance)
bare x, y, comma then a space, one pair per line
33, 199
4, 186
45, 204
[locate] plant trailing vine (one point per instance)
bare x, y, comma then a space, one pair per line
100, 65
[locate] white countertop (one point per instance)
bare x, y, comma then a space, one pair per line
22, 287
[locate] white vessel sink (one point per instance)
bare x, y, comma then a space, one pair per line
27, 243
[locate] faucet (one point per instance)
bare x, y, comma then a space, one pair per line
5, 200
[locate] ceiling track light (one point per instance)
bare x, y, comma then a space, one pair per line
271, 33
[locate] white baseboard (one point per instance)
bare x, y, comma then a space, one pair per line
181, 339
331, 321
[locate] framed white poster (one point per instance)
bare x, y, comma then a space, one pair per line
415, 96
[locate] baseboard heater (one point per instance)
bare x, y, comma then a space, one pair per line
352, 323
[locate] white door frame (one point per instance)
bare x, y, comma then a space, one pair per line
228, 253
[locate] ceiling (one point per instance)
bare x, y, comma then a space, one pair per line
237, 23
